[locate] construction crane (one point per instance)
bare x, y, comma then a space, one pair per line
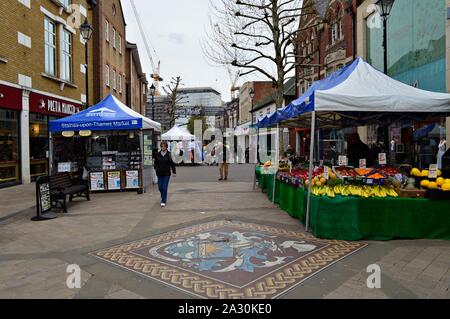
156, 70
234, 77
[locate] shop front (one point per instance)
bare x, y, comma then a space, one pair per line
10, 107
43, 109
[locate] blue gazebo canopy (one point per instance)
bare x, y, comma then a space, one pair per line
109, 114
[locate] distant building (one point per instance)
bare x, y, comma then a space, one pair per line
262, 90
199, 101
136, 80
231, 116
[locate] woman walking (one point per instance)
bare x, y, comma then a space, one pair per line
163, 166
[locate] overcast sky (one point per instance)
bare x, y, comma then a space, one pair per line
175, 29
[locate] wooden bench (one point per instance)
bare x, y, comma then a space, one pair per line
61, 186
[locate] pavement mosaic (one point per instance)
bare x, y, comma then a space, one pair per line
229, 259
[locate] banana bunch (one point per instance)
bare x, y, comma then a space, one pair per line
354, 190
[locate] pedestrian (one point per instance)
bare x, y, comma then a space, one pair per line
223, 161
164, 165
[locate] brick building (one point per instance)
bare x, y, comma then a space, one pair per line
262, 90
326, 42
42, 77
326, 39
136, 80
110, 50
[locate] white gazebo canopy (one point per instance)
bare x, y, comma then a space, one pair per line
176, 133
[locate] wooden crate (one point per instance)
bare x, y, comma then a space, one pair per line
406, 193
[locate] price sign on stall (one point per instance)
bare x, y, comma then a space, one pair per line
326, 172
363, 163
433, 171
382, 159
342, 160
321, 163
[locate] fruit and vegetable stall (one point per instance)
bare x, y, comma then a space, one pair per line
379, 203
344, 202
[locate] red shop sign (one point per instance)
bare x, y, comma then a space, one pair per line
10, 97
49, 105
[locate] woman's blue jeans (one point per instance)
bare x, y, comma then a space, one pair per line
163, 185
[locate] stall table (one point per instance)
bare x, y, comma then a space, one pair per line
356, 218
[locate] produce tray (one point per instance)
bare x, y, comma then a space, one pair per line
406, 193
378, 167
336, 172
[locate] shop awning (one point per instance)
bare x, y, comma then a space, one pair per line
361, 88
177, 134
109, 114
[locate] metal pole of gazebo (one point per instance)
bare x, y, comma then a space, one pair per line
311, 166
276, 162
257, 154
50, 153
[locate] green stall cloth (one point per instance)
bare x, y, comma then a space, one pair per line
388, 218
292, 200
270, 180
263, 180
287, 198
355, 218
334, 218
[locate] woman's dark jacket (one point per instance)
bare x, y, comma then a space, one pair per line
164, 164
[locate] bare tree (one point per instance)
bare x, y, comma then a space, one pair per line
176, 99
257, 37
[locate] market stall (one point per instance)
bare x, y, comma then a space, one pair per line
364, 201
183, 145
109, 144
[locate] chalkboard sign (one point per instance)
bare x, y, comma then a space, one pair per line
43, 200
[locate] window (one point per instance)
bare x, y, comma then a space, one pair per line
50, 46
9, 147
341, 31
66, 73
114, 9
107, 30
334, 33
107, 75
114, 38
120, 44
120, 83
38, 130
66, 3
268, 110
114, 80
